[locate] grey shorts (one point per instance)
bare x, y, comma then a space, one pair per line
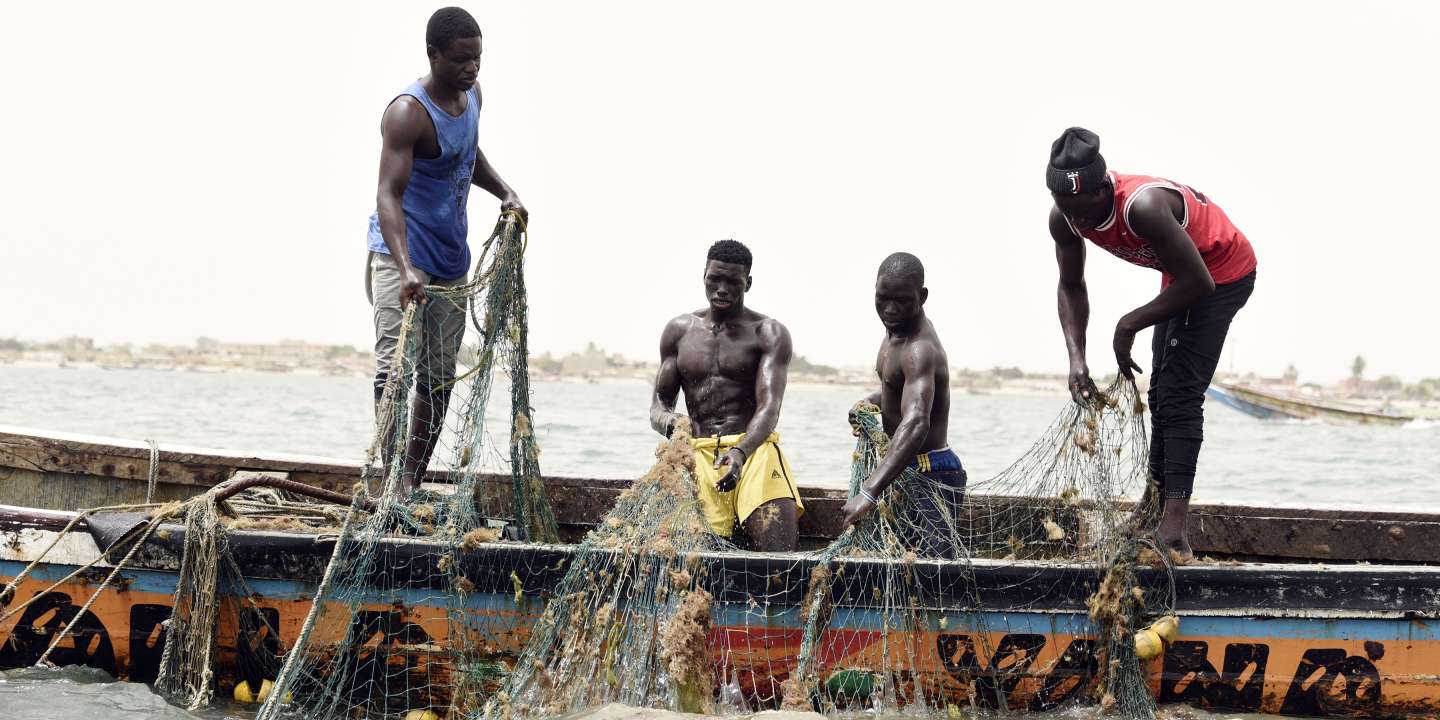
439, 326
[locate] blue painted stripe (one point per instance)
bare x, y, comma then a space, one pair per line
1382, 630
780, 618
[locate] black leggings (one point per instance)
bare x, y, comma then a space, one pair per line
1186, 350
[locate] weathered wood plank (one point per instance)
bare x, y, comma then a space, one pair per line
70, 472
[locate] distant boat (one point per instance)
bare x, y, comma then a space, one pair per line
1265, 404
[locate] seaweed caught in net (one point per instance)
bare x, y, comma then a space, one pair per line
455, 428
630, 621
937, 570
186, 661
390, 629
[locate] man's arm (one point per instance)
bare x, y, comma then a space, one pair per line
917, 399
1074, 303
400, 129
1152, 217
485, 177
770, 378
667, 380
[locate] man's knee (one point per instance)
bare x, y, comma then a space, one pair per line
434, 387
1180, 422
774, 526
1178, 411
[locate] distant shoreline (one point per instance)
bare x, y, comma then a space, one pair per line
1039, 386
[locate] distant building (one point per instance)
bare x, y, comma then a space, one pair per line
591, 361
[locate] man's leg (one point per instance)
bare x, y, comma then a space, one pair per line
383, 279
1191, 355
442, 324
930, 512
1143, 518
766, 485
774, 526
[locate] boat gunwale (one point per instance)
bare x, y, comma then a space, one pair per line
1253, 590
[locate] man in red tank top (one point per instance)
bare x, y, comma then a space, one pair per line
1208, 273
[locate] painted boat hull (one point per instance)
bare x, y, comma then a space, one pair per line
1356, 641
1261, 404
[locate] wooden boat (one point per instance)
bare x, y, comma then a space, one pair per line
1310, 612
1264, 404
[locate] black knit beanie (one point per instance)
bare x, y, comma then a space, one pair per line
1076, 164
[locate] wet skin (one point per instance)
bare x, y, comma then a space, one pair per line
914, 396
731, 363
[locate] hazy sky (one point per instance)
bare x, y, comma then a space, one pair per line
182, 169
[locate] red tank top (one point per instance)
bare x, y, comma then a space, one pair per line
1225, 250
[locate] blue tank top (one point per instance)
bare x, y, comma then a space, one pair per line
434, 202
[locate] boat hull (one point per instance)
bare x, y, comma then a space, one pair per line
1275, 639
1266, 405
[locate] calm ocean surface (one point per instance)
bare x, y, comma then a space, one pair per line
601, 430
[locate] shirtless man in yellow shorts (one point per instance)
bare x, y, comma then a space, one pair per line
731, 362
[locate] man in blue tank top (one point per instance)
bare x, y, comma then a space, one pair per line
429, 159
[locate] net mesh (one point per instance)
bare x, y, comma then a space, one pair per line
446, 592
630, 621
422, 652
1062, 504
927, 607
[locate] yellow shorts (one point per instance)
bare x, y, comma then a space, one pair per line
765, 477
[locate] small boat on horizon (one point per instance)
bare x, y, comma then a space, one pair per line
1267, 404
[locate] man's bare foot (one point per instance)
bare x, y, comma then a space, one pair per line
1171, 533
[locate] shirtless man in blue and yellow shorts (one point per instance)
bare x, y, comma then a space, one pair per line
914, 403
731, 363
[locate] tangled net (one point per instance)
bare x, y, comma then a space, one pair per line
422, 654
629, 622
908, 581
927, 607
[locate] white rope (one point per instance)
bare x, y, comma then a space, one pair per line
154, 471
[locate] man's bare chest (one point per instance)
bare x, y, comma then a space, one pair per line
731, 353
888, 367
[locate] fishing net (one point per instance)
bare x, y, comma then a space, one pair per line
630, 621
389, 631
436, 399
961, 574
186, 668
1023, 591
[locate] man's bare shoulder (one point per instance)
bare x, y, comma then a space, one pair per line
765, 325
774, 337
1060, 230
683, 322
675, 329
405, 117
769, 325
923, 352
